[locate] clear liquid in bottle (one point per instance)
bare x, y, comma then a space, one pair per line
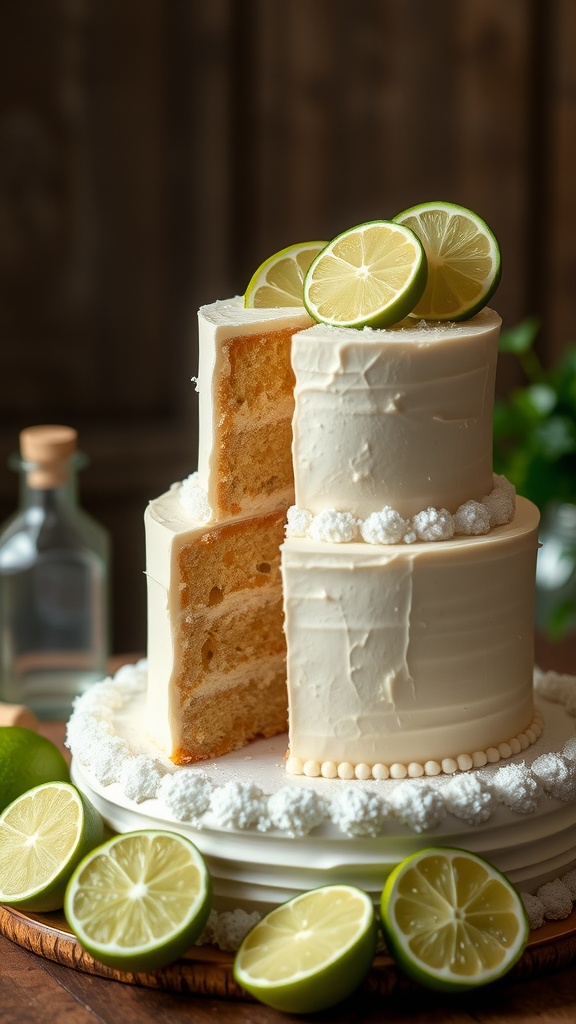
53, 583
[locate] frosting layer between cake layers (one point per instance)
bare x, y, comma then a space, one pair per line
399, 417
409, 655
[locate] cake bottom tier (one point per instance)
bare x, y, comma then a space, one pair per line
409, 655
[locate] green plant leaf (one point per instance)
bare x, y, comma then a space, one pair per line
520, 338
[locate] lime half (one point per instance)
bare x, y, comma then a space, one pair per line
371, 275
279, 281
451, 920
463, 260
140, 900
310, 952
43, 835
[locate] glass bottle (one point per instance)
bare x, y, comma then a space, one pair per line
54, 580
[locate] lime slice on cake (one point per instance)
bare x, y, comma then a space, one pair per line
463, 260
310, 952
27, 760
43, 835
371, 275
140, 900
452, 921
280, 279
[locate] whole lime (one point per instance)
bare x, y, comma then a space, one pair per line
27, 760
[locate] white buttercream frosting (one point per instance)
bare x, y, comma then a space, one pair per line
398, 418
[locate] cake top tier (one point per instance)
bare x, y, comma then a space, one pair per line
398, 418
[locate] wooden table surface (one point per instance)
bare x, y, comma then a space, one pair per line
35, 990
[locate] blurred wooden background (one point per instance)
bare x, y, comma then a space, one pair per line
154, 152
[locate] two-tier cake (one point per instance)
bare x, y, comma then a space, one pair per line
341, 603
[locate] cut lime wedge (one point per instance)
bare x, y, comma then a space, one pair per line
43, 835
463, 256
311, 952
451, 920
371, 275
280, 279
140, 900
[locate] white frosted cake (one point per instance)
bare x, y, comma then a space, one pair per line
345, 558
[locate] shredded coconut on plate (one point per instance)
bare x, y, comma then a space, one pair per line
187, 795
240, 805
296, 812
534, 909
515, 786
141, 778
418, 806
556, 900
358, 812
227, 929
557, 775
569, 750
469, 798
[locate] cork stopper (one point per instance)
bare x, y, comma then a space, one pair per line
47, 451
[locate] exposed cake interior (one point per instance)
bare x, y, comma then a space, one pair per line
216, 644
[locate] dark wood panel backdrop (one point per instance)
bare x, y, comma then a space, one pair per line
153, 152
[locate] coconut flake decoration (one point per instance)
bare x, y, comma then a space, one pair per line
297, 522
556, 899
142, 777
194, 499
557, 775
433, 524
534, 909
227, 929
296, 813
515, 786
386, 527
240, 805
469, 798
569, 750
186, 795
420, 806
472, 519
334, 527
358, 812
501, 502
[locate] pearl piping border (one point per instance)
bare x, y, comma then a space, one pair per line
415, 769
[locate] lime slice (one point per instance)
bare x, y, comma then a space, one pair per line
311, 952
463, 260
452, 921
280, 279
27, 760
369, 276
43, 835
140, 900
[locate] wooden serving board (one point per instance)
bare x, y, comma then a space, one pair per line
206, 970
